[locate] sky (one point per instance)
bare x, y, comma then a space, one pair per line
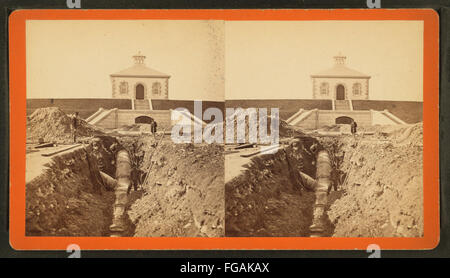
74, 58
275, 59
213, 60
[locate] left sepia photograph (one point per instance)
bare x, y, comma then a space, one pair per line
101, 96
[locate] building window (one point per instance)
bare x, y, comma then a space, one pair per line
324, 88
123, 88
357, 89
156, 89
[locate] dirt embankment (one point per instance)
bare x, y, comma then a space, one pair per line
68, 198
267, 198
383, 195
183, 194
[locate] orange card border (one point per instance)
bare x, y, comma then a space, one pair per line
17, 66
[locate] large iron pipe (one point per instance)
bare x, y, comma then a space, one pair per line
323, 171
323, 174
308, 182
123, 173
323, 183
108, 181
123, 167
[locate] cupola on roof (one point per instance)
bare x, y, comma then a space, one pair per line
340, 70
139, 69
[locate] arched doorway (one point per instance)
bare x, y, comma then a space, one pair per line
139, 91
143, 120
340, 92
343, 120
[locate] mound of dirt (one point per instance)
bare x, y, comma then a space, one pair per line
53, 125
383, 194
133, 127
411, 135
285, 130
330, 128
184, 194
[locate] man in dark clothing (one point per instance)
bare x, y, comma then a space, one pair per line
353, 126
75, 123
135, 177
153, 127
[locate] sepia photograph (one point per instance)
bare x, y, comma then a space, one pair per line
216, 128
100, 159
349, 161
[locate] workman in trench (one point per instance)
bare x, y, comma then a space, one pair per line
154, 127
137, 177
353, 127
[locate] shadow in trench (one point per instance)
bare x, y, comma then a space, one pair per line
129, 225
329, 226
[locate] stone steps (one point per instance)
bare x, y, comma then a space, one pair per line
342, 105
141, 104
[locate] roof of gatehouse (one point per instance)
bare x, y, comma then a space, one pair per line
139, 69
340, 70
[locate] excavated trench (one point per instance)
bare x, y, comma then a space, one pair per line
70, 198
382, 196
376, 187
269, 198
73, 190
273, 198
176, 189
378, 178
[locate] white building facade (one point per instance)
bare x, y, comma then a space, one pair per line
340, 83
140, 82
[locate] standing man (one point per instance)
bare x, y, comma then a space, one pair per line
75, 123
153, 127
353, 127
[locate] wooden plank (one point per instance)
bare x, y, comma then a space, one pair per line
260, 151
60, 150
244, 146
45, 145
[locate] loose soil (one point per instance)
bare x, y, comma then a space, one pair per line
183, 194
52, 125
382, 195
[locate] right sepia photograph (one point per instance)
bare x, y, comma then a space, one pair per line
333, 141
